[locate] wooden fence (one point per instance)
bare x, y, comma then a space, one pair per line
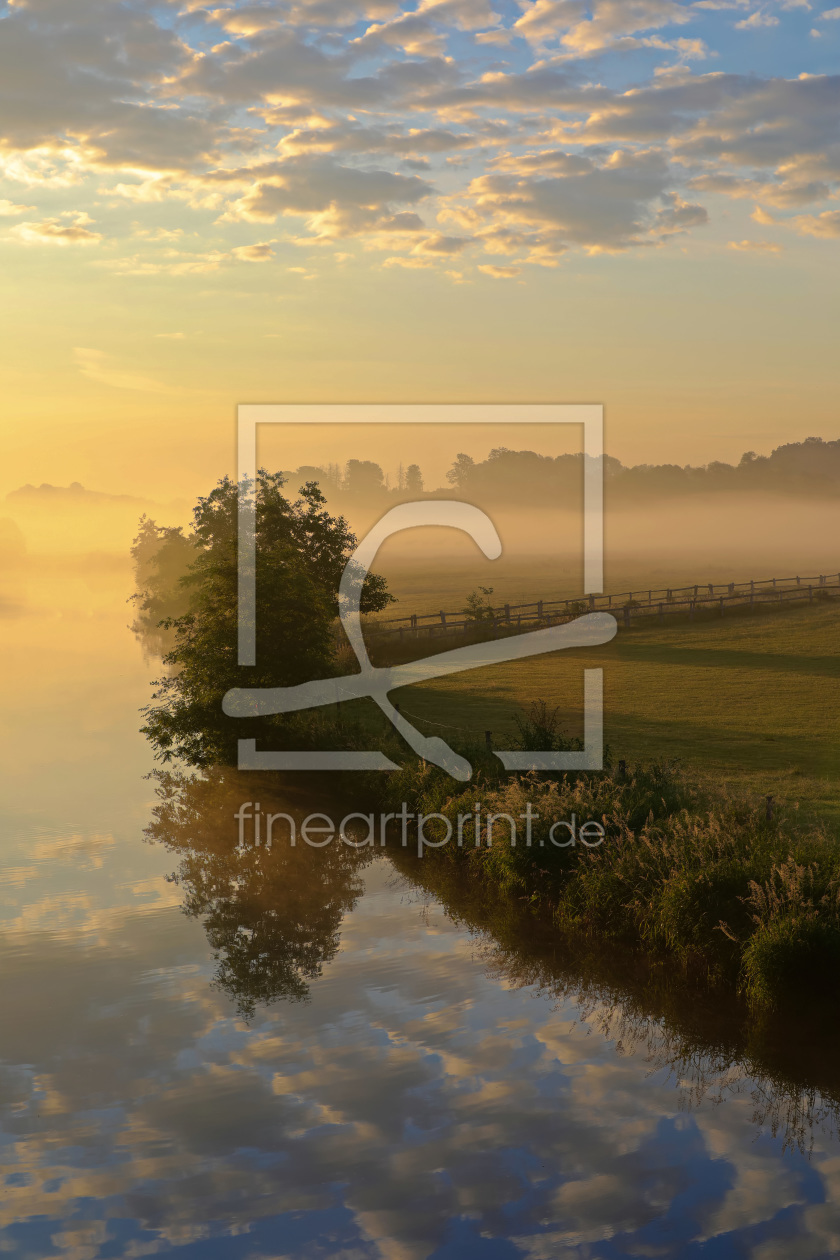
628, 607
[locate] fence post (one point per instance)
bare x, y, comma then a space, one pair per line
711, 588
752, 587
414, 621
507, 612
810, 594
731, 588
696, 589
798, 581
822, 580
540, 610
442, 617
721, 605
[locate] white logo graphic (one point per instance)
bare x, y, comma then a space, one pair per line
376, 683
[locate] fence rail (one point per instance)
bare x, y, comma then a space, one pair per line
628, 607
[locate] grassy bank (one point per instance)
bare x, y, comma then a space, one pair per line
688, 872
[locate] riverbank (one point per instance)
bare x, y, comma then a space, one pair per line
695, 874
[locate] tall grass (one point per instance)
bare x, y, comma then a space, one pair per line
699, 875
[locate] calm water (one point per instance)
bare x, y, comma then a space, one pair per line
304, 1054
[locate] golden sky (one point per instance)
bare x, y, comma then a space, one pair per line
629, 203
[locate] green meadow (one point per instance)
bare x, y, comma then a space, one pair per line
750, 700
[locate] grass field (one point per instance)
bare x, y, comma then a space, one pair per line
752, 701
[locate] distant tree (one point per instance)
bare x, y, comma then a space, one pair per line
459, 473
301, 553
363, 478
413, 479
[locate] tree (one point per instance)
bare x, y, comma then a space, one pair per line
413, 479
363, 478
162, 556
301, 553
459, 473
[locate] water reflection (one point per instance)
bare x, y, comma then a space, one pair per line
271, 913
426, 1100
706, 1040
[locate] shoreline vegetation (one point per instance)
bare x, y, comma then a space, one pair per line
696, 875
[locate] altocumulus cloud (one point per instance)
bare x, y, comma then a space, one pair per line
532, 133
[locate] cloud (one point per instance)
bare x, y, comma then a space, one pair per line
94, 365
756, 20
826, 225
440, 244
499, 273
9, 208
71, 229
760, 247
335, 200
253, 253
327, 112
586, 29
783, 194
602, 205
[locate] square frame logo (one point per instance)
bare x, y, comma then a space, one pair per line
588, 630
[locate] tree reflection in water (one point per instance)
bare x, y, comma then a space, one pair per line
272, 915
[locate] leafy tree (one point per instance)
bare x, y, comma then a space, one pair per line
414, 479
162, 556
363, 478
459, 473
301, 553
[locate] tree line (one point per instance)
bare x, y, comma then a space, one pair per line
810, 467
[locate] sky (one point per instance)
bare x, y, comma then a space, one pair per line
628, 202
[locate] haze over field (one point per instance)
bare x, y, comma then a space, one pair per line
767, 516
